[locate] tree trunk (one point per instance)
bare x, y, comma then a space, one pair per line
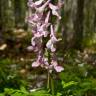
78, 25
20, 12
1, 26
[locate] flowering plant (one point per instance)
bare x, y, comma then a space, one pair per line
42, 27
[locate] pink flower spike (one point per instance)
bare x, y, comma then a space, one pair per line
58, 68
39, 21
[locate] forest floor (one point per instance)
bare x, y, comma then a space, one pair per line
13, 52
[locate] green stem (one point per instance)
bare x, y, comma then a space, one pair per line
48, 81
52, 87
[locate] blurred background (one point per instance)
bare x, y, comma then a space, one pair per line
76, 52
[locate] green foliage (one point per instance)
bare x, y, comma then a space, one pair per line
24, 92
78, 79
9, 75
67, 85
40, 93
58, 94
14, 92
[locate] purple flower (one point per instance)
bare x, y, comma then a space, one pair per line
34, 4
36, 44
50, 45
39, 2
41, 31
34, 19
38, 62
42, 8
56, 67
52, 41
54, 10
41, 61
35, 64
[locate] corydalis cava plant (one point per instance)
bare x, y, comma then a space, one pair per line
40, 13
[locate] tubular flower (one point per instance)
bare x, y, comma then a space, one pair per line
34, 4
56, 66
52, 41
54, 10
40, 24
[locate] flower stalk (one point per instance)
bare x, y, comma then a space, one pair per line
52, 87
40, 21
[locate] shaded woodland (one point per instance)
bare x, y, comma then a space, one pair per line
76, 52
78, 20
